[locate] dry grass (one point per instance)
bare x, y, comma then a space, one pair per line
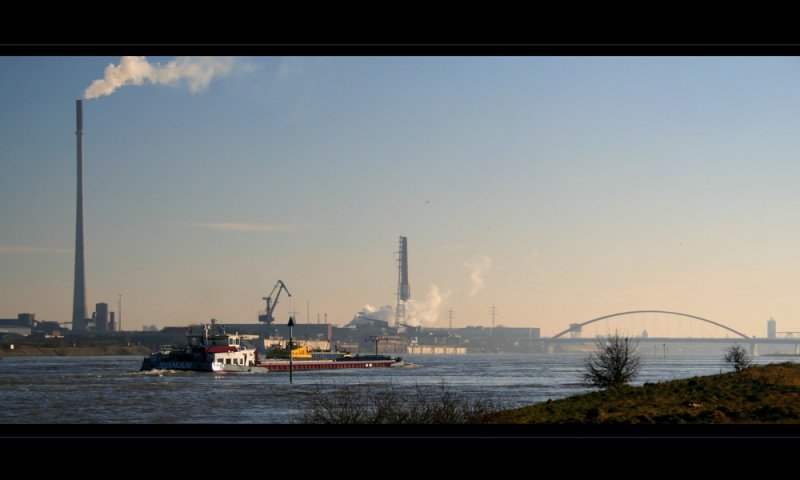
763, 394
64, 350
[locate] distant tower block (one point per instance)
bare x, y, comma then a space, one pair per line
771, 328
403, 288
79, 322
575, 330
101, 317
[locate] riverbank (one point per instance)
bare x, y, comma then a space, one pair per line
761, 394
61, 351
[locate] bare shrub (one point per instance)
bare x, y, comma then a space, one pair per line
390, 405
736, 357
614, 364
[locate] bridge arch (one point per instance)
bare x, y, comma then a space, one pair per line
654, 311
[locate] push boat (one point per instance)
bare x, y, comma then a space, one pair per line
210, 349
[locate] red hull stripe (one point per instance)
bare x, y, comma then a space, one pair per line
281, 367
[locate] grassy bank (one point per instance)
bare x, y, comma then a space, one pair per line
48, 350
762, 394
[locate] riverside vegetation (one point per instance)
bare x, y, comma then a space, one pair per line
25, 346
760, 394
763, 394
361, 405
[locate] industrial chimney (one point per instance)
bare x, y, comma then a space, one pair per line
403, 288
79, 322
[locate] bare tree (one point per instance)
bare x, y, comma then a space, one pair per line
736, 356
615, 362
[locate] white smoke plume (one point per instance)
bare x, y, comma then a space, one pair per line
426, 311
417, 311
197, 72
476, 266
368, 312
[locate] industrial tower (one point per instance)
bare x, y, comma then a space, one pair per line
403, 288
79, 322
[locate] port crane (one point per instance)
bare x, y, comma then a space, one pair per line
267, 317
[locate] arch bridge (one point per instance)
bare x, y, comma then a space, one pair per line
576, 327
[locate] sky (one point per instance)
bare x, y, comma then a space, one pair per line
558, 189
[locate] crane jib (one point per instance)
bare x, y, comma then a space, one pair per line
271, 304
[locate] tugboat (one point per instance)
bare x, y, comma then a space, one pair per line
208, 349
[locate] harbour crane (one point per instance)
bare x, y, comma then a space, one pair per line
267, 317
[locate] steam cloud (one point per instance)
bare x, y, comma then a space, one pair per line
384, 313
476, 266
426, 311
417, 311
196, 71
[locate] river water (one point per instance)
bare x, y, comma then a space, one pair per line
95, 390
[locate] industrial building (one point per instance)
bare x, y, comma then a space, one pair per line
22, 325
101, 317
26, 325
361, 338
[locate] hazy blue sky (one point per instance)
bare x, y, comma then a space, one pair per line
557, 188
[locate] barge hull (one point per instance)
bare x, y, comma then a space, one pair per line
268, 366
299, 365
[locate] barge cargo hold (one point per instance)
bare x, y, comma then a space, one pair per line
354, 362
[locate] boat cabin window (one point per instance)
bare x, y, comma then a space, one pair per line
228, 361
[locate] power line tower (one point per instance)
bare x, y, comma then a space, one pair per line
450, 314
403, 288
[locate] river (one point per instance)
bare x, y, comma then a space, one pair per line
95, 390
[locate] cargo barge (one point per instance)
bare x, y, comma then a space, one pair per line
210, 349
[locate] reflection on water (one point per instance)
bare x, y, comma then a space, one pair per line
112, 390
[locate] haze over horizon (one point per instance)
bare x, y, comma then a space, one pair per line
558, 189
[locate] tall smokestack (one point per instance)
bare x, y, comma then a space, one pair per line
403, 288
79, 293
